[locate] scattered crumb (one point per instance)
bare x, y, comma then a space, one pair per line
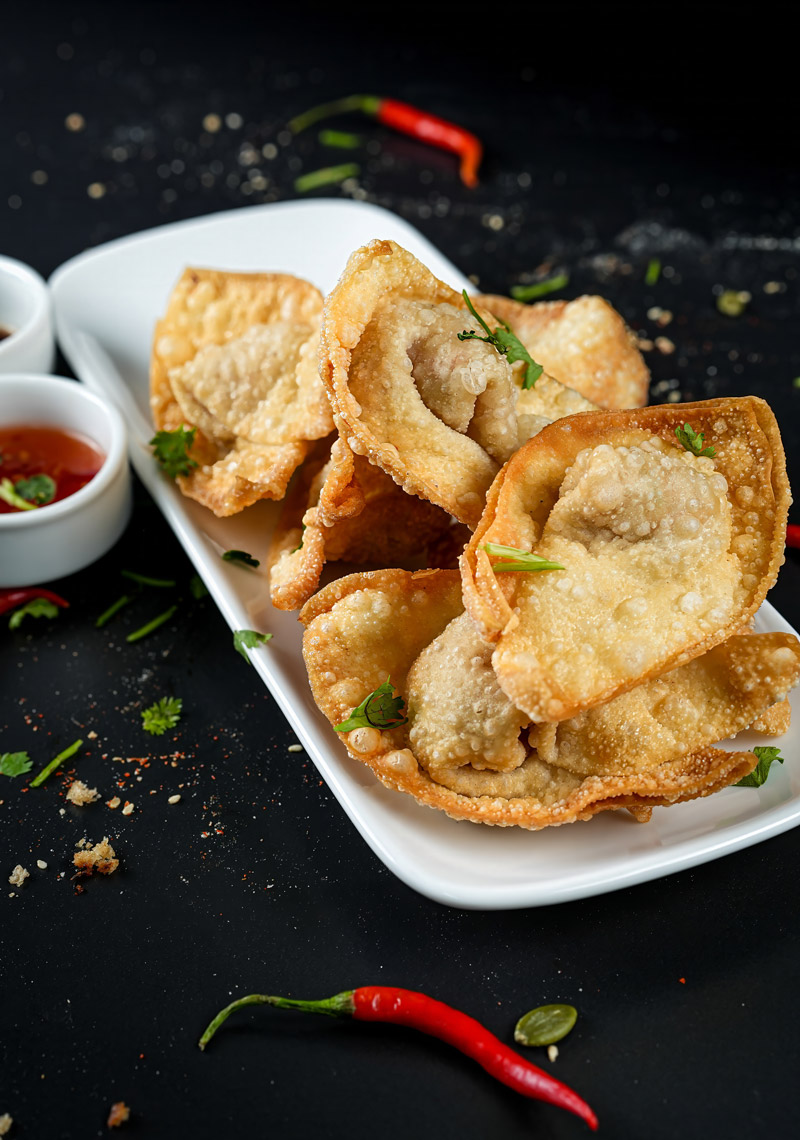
82, 842
128, 808
114, 802
664, 345
662, 317
18, 876
552, 1052
92, 735
118, 1115
644, 343
62, 811
5, 1123
174, 800
100, 858
295, 747
40, 863
774, 287
79, 794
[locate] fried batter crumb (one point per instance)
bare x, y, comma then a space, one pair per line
17, 879
5, 1123
79, 794
114, 802
100, 858
118, 1115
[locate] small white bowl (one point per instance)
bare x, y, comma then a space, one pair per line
25, 314
60, 538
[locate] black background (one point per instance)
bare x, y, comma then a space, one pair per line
634, 140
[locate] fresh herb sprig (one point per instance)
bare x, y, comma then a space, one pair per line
379, 709
15, 764
692, 441
505, 342
513, 559
36, 607
163, 714
171, 450
766, 757
248, 639
38, 489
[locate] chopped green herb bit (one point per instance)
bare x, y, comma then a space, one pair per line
138, 634
249, 639
766, 757
302, 536
114, 608
512, 559
145, 580
164, 714
171, 450
344, 140
240, 556
15, 764
51, 767
692, 441
545, 1025
38, 489
379, 709
505, 342
327, 176
540, 288
733, 302
36, 607
9, 495
653, 271
197, 587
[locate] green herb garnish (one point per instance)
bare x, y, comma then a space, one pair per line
754, 779
506, 343
51, 767
249, 639
733, 302
9, 495
653, 271
197, 587
343, 140
106, 615
39, 489
540, 288
692, 441
380, 709
545, 1025
36, 607
164, 714
514, 559
143, 631
145, 580
240, 556
15, 764
327, 176
171, 450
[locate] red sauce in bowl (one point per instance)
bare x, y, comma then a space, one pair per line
69, 459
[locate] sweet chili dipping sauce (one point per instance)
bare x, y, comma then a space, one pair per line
69, 459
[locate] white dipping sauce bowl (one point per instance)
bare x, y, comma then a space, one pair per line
25, 313
60, 538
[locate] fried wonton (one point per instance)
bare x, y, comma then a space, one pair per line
468, 751
437, 413
665, 553
235, 356
583, 343
344, 508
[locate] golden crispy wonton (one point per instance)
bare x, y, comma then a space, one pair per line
467, 750
235, 356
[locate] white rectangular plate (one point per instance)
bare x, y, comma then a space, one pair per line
106, 302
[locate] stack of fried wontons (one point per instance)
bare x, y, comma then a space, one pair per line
531, 697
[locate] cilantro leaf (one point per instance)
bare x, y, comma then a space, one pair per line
758, 776
15, 763
380, 709
505, 342
692, 441
240, 556
8, 494
249, 639
164, 714
171, 450
39, 489
512, 558
36, 607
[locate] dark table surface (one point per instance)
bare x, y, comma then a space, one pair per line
604, 151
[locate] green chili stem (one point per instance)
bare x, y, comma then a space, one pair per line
151, 625
145, 580
51, 767
106, 615
337, 1006
327, 176
368, 104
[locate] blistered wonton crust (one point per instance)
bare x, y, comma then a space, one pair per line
344, 508
583, 343
235, 357
665, 554
462, 751
436, 413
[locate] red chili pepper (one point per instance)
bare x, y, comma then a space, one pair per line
410, 121
10, 599
793, 535
406, 1007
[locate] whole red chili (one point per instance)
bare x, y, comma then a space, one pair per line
10, 599
406, 1007
793, 535
410, 121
